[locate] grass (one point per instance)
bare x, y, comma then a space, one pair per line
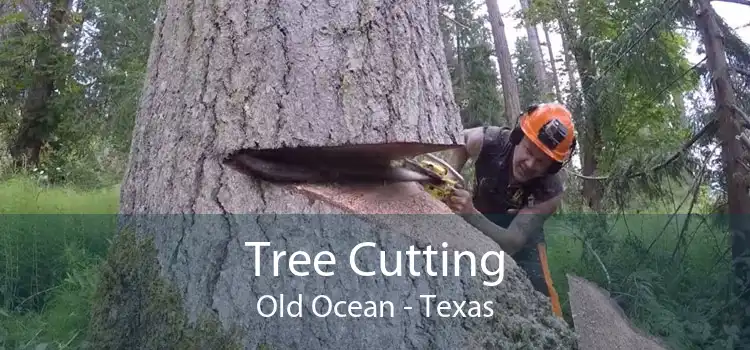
52, 242
54, 238
678, 294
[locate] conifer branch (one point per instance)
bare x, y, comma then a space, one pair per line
708, 128
741, 2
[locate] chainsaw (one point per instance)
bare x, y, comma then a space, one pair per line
440, 171
305, 165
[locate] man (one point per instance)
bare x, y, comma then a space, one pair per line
517, 185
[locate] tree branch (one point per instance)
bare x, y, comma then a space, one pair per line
741, 2
453, 20
745, 118
706, 129
741, 71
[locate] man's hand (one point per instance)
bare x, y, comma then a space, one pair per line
460, 202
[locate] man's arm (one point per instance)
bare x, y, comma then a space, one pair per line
524, 225
527, 222
530, 220
473, 139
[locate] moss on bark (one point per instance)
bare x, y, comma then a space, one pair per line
136, 308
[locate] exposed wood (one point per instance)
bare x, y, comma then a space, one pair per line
600, 323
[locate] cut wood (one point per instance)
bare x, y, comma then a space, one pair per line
600, 323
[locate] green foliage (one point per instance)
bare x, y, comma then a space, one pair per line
36, 248
48, 258
53, 275
97, 85
134, 307
475, 79
117, 63
669, 274
483, 105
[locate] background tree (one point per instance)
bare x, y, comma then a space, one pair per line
529, 90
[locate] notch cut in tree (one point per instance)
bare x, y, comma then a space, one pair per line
229, 78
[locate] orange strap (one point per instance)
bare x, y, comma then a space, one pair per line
548, 279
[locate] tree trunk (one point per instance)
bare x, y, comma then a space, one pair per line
38, 119
737, 176
569, 68
510, 85
585, 107
540, 71
229, 76
679, 103
555, 79
460, 62
448, 45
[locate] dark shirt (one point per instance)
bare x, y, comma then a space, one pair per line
494, 193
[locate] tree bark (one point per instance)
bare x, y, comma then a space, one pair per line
569, 68
553, 64
733, 153
508, 80
38, 118
536, 56
229, 76
590, 137
460, 61
448, 45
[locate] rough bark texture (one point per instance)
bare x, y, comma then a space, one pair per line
732, 155
569, 68
540, 72
590, 135
553, 64
228, 76
601, 323
214, 271
508, 80
38, 118
448, 45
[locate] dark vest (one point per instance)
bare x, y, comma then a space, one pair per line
494, 195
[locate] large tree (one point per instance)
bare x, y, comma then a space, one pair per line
224, 77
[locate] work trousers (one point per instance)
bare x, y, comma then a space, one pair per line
533, 260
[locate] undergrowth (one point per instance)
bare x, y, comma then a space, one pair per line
50, 247
49, 268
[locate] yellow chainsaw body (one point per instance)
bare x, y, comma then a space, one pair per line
445, 189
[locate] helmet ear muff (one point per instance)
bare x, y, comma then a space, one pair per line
516, 135
557, 166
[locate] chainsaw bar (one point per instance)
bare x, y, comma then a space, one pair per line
351, 171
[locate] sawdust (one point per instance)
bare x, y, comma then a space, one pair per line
600, 323
392, 198
397, 205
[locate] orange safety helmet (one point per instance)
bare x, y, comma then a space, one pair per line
550, 127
